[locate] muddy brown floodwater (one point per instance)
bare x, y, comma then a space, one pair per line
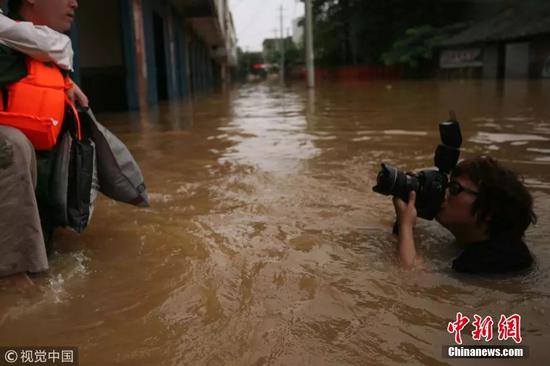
265, 245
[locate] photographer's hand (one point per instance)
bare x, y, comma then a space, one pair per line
406, 218
406, 212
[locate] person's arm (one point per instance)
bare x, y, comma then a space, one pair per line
406, 219
39, 42
78, 96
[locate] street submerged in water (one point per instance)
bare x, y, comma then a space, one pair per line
265, 245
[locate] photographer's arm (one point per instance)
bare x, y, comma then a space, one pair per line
406, 218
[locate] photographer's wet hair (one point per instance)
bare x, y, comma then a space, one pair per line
503, 198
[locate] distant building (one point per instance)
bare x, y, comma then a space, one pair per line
513, 44
269, 46
272, 47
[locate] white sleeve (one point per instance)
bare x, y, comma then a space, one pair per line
39, 42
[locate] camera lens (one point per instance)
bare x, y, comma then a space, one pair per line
391, 181
429, 184
386, 179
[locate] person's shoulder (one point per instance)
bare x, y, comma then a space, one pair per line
502, 254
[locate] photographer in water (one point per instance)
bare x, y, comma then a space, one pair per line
487, 208
483, 204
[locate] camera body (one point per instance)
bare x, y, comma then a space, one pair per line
429, 184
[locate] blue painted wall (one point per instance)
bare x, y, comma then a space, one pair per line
152, 97
182, 87
201, 66
161, 8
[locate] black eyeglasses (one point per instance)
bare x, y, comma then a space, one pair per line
455, 188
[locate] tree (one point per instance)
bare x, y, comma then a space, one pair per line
359, 31
415, 49
293, 55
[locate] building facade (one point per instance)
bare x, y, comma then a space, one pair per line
131, 54
515, 44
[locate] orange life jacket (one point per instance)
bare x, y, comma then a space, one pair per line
36, 104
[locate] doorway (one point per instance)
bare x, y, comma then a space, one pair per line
160, 57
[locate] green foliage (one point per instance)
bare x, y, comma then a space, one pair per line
292, 53
360, 31
415, 46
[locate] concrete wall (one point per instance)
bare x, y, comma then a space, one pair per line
490, 62
134, 53
539, 65
201, 65
517, 61
99, 30
514, 60
102, 67
155, 48
179, 56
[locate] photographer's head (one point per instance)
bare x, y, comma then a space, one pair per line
485, 200
56, 14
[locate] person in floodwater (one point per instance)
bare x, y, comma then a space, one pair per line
487, 208
38, 36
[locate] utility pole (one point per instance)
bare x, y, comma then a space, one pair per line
248, 65
310, 65
282, 49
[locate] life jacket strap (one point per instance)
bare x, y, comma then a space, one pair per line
71, 105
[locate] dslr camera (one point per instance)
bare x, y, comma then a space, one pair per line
429, 184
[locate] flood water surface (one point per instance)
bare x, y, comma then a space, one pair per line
265, 245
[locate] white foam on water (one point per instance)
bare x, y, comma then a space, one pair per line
491, 138
484, 119
57, 291
404, 132
518, 119
359, 139
160, 198
542, 151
